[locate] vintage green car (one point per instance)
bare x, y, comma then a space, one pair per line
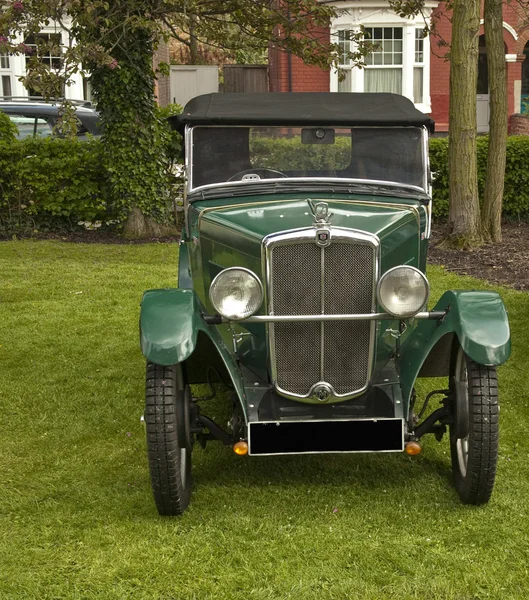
301, 283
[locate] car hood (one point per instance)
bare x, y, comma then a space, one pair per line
243, 226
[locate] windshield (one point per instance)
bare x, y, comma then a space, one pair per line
249, 154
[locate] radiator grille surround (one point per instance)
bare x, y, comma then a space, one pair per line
304, 278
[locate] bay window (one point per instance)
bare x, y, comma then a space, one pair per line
398, 61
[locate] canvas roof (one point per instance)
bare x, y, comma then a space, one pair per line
302, 108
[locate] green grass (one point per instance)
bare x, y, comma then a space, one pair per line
76, 515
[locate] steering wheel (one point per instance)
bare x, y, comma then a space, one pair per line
240, 176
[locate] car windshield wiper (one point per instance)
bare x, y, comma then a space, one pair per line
233, 190
274, 187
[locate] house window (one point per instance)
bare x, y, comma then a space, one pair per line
47, 46
525, 81
418, 67
398, 60
5, 79
344, 43
383, 70
6, 86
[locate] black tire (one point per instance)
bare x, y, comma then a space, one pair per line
474, 433
169, 442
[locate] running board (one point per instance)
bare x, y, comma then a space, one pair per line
319, 437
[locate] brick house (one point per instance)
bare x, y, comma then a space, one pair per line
406, 62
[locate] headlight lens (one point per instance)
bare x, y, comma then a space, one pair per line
403, 291
236, 293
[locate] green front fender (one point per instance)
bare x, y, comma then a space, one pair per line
477, 318
170, 321
169, 324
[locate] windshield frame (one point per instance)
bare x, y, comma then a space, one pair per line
189, 130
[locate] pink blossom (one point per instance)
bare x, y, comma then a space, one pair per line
18, 6
25, 49
113, 64
3, 39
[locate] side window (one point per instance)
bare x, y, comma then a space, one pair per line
30, 126
81, 129
43, 128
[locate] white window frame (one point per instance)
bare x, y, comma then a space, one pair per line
354, 13
5, 72
392, 66
18, 64
418, 64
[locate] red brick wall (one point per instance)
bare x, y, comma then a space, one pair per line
305, 78
440, 68
162, 85
519, 125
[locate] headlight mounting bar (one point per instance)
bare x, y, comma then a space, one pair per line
217, 319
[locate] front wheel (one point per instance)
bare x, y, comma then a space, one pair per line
169, 439
475, 429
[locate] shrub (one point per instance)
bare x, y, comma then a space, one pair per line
516, 192
54, 183
8, 130
50, 182
290, 155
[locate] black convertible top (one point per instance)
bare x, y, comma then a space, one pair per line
301, 108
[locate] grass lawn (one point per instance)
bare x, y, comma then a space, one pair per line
76, 515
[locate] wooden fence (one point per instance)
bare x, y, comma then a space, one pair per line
245, 78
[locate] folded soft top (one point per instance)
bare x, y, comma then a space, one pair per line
302, 108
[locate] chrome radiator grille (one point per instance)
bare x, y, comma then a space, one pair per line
305, 279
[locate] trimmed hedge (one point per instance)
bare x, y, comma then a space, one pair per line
61, 184
289, 154
516, 193
49, 183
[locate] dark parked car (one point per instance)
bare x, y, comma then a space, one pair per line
301, 282
35, 117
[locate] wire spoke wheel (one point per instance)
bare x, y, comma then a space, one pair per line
475, 429
169, 441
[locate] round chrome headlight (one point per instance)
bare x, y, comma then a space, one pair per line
403, 291
236, 293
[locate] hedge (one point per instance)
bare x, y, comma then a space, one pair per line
57, 184
289, 154
516, 192
47, 183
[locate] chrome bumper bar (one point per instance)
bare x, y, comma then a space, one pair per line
217, 319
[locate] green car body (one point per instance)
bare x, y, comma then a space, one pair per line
252, 225
171, 319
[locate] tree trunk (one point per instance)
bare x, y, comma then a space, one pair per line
495, 179
137, 226
193, 42
463, 217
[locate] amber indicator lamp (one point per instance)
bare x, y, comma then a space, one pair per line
413, 448
240, 448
